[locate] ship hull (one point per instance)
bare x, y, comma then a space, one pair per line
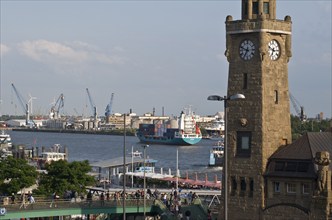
150, 139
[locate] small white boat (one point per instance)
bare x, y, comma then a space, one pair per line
136, 154
217, 154
4, 153
5, 139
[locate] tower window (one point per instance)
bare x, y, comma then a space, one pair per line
234, 185
302, 167
246, 8
276, 96
291, 188
291, 166
255, 8
279, 166
243, 144
305, 188
266, 8
276, 187
245, 81
243, 186
251, 187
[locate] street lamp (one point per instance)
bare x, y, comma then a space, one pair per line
144, 180
177, 169
225, 99
124, 168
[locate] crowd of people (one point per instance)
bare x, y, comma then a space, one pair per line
173, 200
25, 200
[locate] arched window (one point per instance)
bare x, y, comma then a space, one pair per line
245, 81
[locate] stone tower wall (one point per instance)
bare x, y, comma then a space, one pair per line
267, 114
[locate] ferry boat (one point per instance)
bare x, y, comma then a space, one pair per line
216, 129
187, 133
55, 153
217, 154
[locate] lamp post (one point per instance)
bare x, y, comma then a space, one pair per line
177, 168
132, 166
144, 180
225, 181
124, 168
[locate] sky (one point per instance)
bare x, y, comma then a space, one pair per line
162, 55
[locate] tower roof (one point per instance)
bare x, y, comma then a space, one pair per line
306, 146
297, 159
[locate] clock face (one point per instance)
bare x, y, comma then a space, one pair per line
247, 49
274, 50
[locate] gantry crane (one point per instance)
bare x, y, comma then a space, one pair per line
108, 110
93, 106
24, 104
298, 108
55, 109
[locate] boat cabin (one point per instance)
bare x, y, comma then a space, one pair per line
144, 169
52, 156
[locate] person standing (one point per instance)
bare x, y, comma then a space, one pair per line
54, 198
31, 200
89, 197
102, 199
12, 198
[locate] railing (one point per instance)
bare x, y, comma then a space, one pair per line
47, 204
60, 207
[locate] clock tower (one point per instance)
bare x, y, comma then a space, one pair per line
258, 49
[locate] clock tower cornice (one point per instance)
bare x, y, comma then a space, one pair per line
259, 26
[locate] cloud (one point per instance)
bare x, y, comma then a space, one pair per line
44, 51
109, 59
3, 49
69, 53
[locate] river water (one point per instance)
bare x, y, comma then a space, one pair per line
191, 159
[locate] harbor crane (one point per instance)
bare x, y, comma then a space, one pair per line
25, 106
108, 110
55, 109
93, 106
299, 109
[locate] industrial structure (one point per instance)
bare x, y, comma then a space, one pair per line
58, 105
25, 107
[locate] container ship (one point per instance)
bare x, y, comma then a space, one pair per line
187, 133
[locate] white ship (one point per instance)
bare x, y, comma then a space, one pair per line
217, 154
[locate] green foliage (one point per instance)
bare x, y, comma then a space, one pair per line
15, 175
311, 125
63, 176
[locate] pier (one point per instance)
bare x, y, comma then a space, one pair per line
110, 209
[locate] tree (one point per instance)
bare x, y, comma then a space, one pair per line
15, 175
62, 176
311, 125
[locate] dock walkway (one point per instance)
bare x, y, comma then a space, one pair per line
111, 208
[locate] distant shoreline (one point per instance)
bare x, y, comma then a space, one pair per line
101, 132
